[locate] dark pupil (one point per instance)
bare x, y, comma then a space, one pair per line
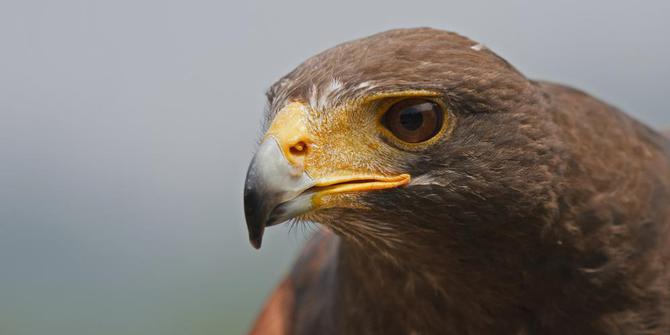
411, 118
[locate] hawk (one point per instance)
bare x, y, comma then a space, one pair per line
456, 196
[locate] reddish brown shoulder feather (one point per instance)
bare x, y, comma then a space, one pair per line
302, 301
276, 314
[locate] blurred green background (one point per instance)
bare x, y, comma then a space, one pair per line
126, 128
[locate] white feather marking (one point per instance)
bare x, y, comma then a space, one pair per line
313, 97
365, 84
478, 47
323, 96
425, 179
329, 92
333, 87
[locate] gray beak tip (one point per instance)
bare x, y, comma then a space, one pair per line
255, 215
256, 241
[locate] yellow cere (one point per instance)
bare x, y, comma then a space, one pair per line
290, 128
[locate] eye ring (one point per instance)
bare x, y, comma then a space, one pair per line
414, 120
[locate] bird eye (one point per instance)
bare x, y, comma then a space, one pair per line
414, 120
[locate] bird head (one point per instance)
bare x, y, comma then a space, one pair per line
413, 138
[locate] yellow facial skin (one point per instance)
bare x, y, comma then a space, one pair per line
342, 150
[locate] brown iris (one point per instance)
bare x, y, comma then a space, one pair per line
414, 120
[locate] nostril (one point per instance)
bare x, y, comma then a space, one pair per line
299, 148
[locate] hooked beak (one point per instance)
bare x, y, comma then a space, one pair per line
272, 181
279, 187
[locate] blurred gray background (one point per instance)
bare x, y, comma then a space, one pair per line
126, 128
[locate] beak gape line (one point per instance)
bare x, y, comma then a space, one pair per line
273, 190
